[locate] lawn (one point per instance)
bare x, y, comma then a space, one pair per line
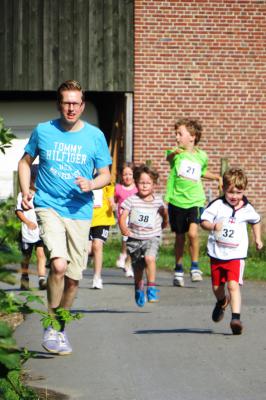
255, 268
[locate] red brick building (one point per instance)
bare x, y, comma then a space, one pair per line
206, 59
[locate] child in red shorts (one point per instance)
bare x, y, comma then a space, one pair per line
226, 218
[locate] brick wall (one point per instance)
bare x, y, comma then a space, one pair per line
206, 59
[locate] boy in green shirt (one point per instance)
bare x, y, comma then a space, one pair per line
185, 194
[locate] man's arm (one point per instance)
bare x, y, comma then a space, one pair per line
102, 179
24, 179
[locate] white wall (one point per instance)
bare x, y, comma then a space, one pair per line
21, 117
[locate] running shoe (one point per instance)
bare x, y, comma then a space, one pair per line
196, 275
50, 340
129, 272
121, 261
236, 326
218, 311
179, 279
152, 294
24, 283
64, 347
140, 297
97, 283
42, 284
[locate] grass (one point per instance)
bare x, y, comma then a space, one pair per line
255, 268
255, 263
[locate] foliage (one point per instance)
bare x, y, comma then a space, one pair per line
61, 315
9, 224
6, 136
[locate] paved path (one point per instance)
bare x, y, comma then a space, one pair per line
166, 351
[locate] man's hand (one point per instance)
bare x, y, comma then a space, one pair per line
84, 184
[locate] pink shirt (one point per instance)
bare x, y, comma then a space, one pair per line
121, 194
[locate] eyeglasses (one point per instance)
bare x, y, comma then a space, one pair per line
66, 104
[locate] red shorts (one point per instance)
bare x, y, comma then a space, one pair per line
223, 271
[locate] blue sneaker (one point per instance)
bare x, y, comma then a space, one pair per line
152, 294
140, 297
50, 340
64, 347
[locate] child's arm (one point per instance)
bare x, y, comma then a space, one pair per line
31, 225
112, 204
214, 177
164, 214
256, 229
123, 223
170, 156
211, 226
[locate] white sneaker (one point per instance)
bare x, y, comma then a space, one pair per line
129, 272
121, 261
179, 279
196, 275
97, 283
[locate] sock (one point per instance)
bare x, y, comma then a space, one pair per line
139, 285
235, 316
41, 277
178, 268
25, 275
150, 284
194, 265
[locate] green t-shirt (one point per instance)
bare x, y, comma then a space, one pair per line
184, 186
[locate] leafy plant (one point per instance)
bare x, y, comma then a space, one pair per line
6, 136
9, 223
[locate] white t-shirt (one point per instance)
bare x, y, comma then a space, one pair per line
231, 242
28, 235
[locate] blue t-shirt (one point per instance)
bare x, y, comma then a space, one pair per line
63, 157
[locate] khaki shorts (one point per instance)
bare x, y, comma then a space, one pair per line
65, 238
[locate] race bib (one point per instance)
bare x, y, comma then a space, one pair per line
143, 218
189, 170
229, 235
97, 198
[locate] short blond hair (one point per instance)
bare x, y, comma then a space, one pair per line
235, 177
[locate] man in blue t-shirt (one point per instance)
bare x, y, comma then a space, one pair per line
69, 151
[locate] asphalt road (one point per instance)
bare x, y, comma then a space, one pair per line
165, 351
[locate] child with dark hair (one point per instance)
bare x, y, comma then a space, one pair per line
123, 190
30, 239
146, 215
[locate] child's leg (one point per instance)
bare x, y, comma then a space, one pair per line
221, 304
193, 235
24, 281
25, 265
180, 240
97, 253
152, 291
138, 268
235, 294
41, 270
179, 248
121, 261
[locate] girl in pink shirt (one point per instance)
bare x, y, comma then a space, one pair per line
123, 190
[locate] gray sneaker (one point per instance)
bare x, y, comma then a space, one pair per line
50, 340
64, 345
